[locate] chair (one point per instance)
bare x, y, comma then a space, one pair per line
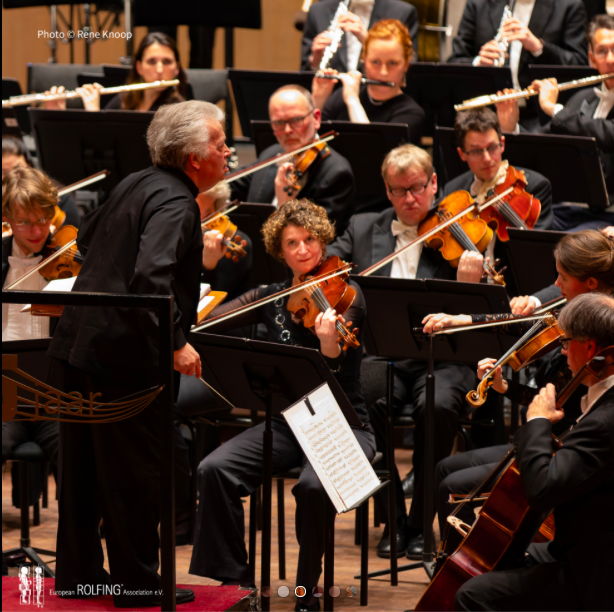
208, 85
25, 454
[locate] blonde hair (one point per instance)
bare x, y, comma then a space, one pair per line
387, 29
28, 188
220, 194
405, 157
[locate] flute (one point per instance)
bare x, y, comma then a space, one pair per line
365, 81
65, 95
527, 93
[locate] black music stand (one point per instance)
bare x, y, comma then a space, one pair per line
11, 87
352, 142
571, 163
10, 123
562, 74
249, 218
72, 144
406, 302
270, 377
531, 259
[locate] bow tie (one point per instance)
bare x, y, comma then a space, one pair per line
24, 262
604, 95
399, 228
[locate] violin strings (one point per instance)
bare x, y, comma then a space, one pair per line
323, 305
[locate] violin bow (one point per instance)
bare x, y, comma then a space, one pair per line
225, 210
278, 158
94, 178
314, 281
474, 207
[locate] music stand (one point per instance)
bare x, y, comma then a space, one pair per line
270, 377
11, 87
72, 144
562, 74
531, 259
249, 218
571, 163
352, 142
406, 302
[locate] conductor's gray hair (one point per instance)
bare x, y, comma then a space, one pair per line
177, 130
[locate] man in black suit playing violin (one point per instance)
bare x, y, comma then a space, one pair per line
577, 481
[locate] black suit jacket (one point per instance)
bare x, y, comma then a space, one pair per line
321, 14
576, 119
559, 23
578, 482
330, 183
368, 240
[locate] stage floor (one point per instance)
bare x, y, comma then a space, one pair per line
347, 556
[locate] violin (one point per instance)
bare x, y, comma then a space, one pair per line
68, 263
517, 209
334, 292
302, 163
469, 233
232, 241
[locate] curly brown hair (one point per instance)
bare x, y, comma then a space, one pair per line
301, 213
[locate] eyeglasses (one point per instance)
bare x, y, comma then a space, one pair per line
294, 122
477, 153
603, 52
26, 225
565, 342
400, 192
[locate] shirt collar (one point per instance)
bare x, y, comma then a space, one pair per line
594, 393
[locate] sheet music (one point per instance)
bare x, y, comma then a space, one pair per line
332, 449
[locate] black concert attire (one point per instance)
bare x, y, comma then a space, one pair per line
578, 482
234, 470
169, 95
329, 183
400, 109
321, 14
146, 239
68, 205
369, 239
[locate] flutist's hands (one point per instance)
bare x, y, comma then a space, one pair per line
548, 94
90, 94
508, 112
514, 30
320, 42
352, 23
55, 104
321, 89
187, 361
489, 53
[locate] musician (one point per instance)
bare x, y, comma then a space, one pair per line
585, 264
589, 112
411, 185
156, 59
329, 181
577, 481
146, 239
15, 154
362, 15
387, 52
297, 235
540, 32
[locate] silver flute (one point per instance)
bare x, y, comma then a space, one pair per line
337, 34
500, 39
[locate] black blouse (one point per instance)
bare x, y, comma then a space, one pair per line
168, 96
283, 330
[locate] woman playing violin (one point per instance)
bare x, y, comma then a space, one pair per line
297, 235
387, 53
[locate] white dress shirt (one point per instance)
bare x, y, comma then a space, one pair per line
363, 10
606, 102
15, 324
594, 393
523, 9
405, 265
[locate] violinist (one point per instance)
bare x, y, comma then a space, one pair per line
146, 239
411, 185
328, 181
577, 481
387, 52
296, 234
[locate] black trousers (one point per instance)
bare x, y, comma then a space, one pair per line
109, 471
452, 383
234, 471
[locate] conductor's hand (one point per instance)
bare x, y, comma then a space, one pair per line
90, 94
326, 331
55, 104
508, 112
489, 53
320, 42
544, 405
435, 322
470, 267
187, 361
523, 305
213, 249
485, 366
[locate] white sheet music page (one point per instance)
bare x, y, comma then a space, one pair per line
332, 449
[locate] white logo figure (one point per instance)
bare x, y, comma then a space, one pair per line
39, 587
25, 583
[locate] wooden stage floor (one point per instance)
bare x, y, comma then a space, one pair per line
347, 556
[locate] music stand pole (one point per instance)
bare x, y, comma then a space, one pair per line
128, 29
267, 488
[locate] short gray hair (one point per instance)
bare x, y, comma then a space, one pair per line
177, 130
589, 316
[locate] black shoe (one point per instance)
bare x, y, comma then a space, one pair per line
182, 596
408, 484
383, 548
305, 607
415, 548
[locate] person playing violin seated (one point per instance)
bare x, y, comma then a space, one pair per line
156, 59
387, 53
296, 234
328, 181
585, 264
411, 185
361, 16
589, 112
577, 481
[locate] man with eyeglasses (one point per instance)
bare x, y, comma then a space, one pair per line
329, 180
411, 185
